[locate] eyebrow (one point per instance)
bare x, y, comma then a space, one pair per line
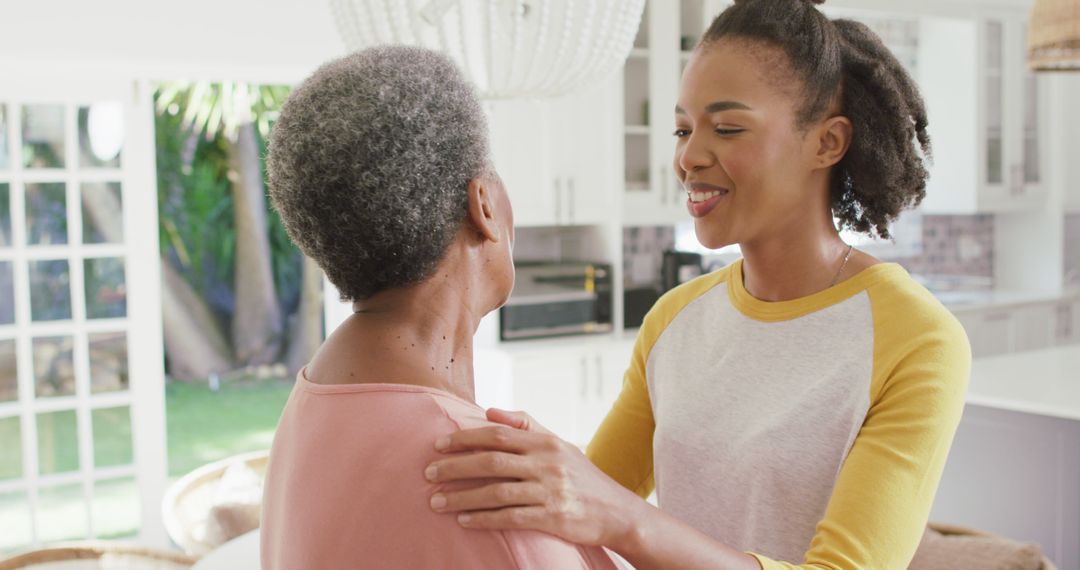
718, 106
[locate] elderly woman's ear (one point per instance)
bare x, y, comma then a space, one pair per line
482, 213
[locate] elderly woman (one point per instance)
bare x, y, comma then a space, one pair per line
380, 168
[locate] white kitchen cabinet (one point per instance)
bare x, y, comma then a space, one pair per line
1034, 327
570, 389
583, 146
652, 192
990, 332
557, 156
552, 388
519, 138
1067, 323
988, 156
1015, 474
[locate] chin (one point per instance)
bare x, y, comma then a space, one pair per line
710, 237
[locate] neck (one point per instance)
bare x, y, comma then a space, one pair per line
795, 263
420, 335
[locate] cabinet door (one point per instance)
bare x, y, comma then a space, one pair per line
583, 149
1034, 327
519, 147
552, 388
1065, 320
990, 332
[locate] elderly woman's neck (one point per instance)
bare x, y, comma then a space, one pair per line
420, 335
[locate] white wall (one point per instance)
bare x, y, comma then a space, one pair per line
259, 40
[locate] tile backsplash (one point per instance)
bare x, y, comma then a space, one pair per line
955, 247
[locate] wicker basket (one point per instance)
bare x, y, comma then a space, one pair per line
188, 502
99, 556
954, 530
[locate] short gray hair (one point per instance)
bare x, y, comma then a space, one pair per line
369, 165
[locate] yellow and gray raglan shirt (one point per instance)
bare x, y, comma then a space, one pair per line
810, 432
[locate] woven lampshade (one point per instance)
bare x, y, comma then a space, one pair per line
509, 48
1054, 36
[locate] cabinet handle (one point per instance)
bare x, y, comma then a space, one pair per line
571, 198
584, 378
1016, 187
663, 185
558, 201
995, 317
599, 377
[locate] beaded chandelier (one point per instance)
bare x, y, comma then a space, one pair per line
1054, 36
509, 48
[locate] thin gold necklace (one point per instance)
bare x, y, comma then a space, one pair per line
842, 265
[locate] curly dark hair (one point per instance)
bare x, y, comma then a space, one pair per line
369, 165
882, 173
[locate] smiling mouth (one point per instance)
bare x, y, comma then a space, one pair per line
697, 197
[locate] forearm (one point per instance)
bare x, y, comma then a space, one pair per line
657, 540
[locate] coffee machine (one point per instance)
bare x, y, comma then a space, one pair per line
678, 267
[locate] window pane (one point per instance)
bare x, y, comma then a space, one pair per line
5, 154
61, 513
50, 290
106, 292
101, 135
5, 213
54, 366
10, 449
46, 214
108, 362
15, 520
9, 379
102, 213
116, 508
112, 436
58, 445
43, 136
7, 293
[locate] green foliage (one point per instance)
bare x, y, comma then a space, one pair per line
195, 201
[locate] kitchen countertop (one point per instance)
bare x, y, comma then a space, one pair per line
960, 301
1044, 382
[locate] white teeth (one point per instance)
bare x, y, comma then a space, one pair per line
702, 196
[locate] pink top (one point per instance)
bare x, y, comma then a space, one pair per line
345, 487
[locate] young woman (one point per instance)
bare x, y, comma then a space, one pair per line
796, 407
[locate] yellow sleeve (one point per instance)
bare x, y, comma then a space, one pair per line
879, 507
623, 445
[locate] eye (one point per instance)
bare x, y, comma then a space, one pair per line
728, 132
681, 133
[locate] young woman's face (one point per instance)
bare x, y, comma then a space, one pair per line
739, 154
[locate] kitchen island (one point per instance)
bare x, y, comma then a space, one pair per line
1014, 468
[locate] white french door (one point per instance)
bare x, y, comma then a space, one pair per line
82, 426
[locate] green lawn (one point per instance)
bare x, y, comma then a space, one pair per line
203, 426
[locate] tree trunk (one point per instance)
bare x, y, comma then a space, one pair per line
194, 344
306, 330
257, 322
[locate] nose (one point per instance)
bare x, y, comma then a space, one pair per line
693, 154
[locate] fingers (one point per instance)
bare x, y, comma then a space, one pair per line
516, 420
493, 496
491, 464
532, 518
494, 438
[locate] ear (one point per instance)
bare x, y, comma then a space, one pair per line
833, 139
481, 213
